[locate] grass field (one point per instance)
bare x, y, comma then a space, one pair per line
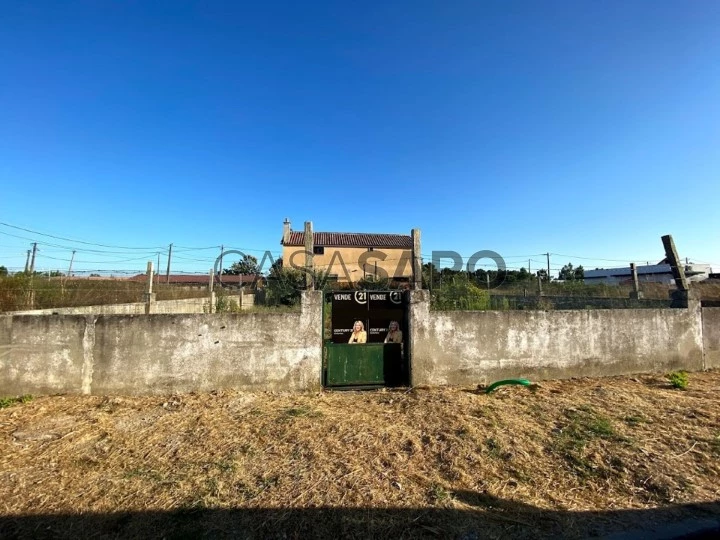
572, 459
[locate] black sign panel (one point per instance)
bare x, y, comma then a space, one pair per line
383, 307
375, 309
348, 307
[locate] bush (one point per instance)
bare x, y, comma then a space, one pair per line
679, 379
462, 294
224, 304
284, 286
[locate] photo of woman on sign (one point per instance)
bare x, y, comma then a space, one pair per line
395, 334
358, 335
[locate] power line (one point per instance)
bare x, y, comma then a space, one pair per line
95, 262
601, 259
77, 241
70, 248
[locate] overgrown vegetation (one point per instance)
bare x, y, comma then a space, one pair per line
285, 285
460, 293
225, 304
20, 292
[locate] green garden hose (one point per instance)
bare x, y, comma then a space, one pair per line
494, 385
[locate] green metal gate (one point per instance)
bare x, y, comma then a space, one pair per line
366, 365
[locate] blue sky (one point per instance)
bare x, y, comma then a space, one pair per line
583, 129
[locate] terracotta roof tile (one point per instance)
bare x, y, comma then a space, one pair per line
331, 239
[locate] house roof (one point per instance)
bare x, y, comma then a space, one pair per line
333, 239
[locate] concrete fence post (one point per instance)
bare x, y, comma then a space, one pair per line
149, 296
416, 259
635, 293
309, 252
211, 291
418, 354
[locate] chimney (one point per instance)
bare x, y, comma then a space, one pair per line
286, 231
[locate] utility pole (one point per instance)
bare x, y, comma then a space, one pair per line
32, 261
157, 278
27, 262
529, 272
167, 274
548, 259
72, 258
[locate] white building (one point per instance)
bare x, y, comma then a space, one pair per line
657, 273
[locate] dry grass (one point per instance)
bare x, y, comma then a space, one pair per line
573, 458
15, 292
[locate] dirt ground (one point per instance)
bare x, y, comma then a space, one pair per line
575, 458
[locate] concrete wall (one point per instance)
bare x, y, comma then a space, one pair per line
186, 305
471, 347
120, 354
44, 355
572, 302
151, 354
711, 337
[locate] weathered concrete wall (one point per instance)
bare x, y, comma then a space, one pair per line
44, 355
466, 347
122, 354
186, 305
711, 336
135, 308
129, 354
573, 302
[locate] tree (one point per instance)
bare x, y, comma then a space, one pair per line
542, 274
568, 273
3, 271
248, 266
284, 285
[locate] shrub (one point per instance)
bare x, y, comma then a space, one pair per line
460, 293
285, 285
679, 379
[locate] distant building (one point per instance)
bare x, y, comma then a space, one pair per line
349, 257
655, 273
